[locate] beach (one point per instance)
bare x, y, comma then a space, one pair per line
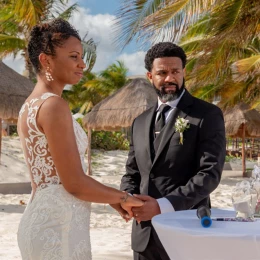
110, 235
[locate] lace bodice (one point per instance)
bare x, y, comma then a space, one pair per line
35, 145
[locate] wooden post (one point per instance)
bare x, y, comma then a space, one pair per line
0, 138
251, 149
89, 152
243, 150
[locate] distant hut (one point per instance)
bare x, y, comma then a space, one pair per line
14, 89
243, 122
120, 109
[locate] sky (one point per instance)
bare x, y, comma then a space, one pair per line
96, 17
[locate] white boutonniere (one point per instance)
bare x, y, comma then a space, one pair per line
181, 125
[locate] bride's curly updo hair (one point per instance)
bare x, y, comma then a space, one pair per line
45, 37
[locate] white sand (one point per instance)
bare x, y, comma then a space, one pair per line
110, 235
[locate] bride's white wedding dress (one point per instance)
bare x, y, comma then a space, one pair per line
55, 224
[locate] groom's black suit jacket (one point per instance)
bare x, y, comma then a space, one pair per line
185, 173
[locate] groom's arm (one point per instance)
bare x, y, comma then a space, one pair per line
131, 180
210, 158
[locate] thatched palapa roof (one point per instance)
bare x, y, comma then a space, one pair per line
120, 109
14, 89
239, 115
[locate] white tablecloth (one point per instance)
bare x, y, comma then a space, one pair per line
184, 238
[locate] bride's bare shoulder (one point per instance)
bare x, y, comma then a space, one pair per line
55, 104
54, 110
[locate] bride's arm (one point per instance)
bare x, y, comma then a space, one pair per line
55, 120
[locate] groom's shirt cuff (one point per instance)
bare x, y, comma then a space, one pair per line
165, 205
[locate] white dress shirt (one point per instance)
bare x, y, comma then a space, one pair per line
164, 204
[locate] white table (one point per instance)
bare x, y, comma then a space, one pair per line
184, 238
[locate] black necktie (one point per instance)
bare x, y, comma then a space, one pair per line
160, 122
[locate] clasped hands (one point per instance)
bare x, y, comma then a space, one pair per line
141, 207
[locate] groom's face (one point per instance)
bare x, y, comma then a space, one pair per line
167, 77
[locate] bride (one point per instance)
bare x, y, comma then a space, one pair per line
55, 224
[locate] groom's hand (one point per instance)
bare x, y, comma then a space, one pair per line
121, 211
148, 210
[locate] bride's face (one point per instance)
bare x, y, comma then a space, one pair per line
67, 65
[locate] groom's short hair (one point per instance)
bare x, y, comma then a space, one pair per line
164, 49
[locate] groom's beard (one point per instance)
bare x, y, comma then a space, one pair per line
170, 95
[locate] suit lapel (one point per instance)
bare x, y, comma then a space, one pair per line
148, 128
182, 111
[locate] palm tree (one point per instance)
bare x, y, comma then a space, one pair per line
228, 34
247, 72
17, 17
220, 33
150, 21
110, 79
79, 97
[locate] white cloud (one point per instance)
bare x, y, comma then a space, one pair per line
98, 27
135, 62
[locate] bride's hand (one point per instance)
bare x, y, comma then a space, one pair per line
121, 211
130, 202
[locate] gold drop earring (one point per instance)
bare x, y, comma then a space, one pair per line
48, 74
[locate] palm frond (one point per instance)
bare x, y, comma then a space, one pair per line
256, 105
67, 14
198, 28
244, 66
231, 12
150, 21
17, 17
10, 44
172, 20
129, 17
89, 52
6, 13
192, 44
29, 12
231, 93
191, 64
206, 93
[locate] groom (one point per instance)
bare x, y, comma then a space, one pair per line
171, 167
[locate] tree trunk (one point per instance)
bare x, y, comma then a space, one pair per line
243, 150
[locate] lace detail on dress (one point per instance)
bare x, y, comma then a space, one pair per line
52, 246
43, 170
41, 164
55, 226
82, 251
